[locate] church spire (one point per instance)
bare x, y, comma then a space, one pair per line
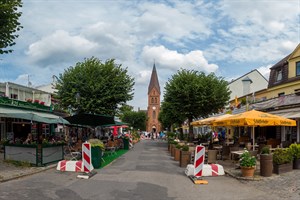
154, 81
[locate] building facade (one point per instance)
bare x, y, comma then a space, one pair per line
153, 109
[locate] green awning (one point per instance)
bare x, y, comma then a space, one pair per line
90, 119
35, 116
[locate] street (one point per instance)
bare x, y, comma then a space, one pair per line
145, 172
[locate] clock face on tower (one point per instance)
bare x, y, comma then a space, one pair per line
153, 107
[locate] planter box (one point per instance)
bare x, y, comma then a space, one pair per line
185, 157
177, 154
296, 164
279, 169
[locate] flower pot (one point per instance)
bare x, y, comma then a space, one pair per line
185, 157
176, 154
266, 165
247, 171
279, 169
296, 163
171, 148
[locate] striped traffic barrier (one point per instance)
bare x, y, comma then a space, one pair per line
199, 160
208, 170
87, 157
70, 166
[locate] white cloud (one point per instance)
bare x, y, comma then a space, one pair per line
174, 60
265, 70
60, 47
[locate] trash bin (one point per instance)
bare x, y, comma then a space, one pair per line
126, 143
96, 157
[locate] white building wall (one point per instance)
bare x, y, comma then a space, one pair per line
258, 83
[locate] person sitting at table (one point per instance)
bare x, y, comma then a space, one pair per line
29, 139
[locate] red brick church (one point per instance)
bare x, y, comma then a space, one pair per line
153, 109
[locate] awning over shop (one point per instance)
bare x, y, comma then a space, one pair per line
292, 113
36, 116
90, 119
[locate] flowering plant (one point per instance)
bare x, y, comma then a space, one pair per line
29, 100
247, 160
36, 101
42, 103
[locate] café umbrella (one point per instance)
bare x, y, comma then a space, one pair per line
254, 118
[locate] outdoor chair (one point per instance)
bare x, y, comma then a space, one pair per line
225, 152
71, 153
212, 156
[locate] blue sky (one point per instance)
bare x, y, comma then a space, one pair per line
227, 37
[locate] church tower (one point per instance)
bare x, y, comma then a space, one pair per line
153, 124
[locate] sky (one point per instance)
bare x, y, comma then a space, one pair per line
227, 37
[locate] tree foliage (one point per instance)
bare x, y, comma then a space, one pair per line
94, 87
137, 120
9, 24
192, 94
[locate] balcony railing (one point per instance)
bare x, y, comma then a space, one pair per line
23, 104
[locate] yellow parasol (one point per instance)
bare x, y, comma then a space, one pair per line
210, 120
254, 118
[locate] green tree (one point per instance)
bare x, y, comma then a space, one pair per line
168, 116
9, 24
94, 87
124, 108
137, 120
193, 94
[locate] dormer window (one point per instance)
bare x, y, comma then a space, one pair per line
297, 68
279, 75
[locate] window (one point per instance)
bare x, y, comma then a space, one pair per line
297, 68
154, 115
281, 94
152, 100
279, 75
14, 96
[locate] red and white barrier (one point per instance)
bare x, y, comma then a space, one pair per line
208, 170
199, 160
87, 157
70, 166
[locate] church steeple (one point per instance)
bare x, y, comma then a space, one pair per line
154, 81
153, 125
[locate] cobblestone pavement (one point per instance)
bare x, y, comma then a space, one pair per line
286, 186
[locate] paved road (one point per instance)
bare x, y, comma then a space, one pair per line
145, 173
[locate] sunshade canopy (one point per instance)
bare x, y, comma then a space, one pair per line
254, 118
31, 115
90, 119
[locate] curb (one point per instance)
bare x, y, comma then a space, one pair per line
38, 170
242, 178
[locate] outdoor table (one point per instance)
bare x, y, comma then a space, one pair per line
219, 148
229, 143
239, 153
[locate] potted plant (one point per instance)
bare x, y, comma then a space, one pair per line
266, 162
295, 151
97, 147
174, 143
177, 152
282, 161
247, 164
185, 156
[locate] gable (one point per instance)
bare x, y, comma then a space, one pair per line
295, 54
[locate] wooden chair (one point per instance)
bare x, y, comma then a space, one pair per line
212, 156
225, 152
